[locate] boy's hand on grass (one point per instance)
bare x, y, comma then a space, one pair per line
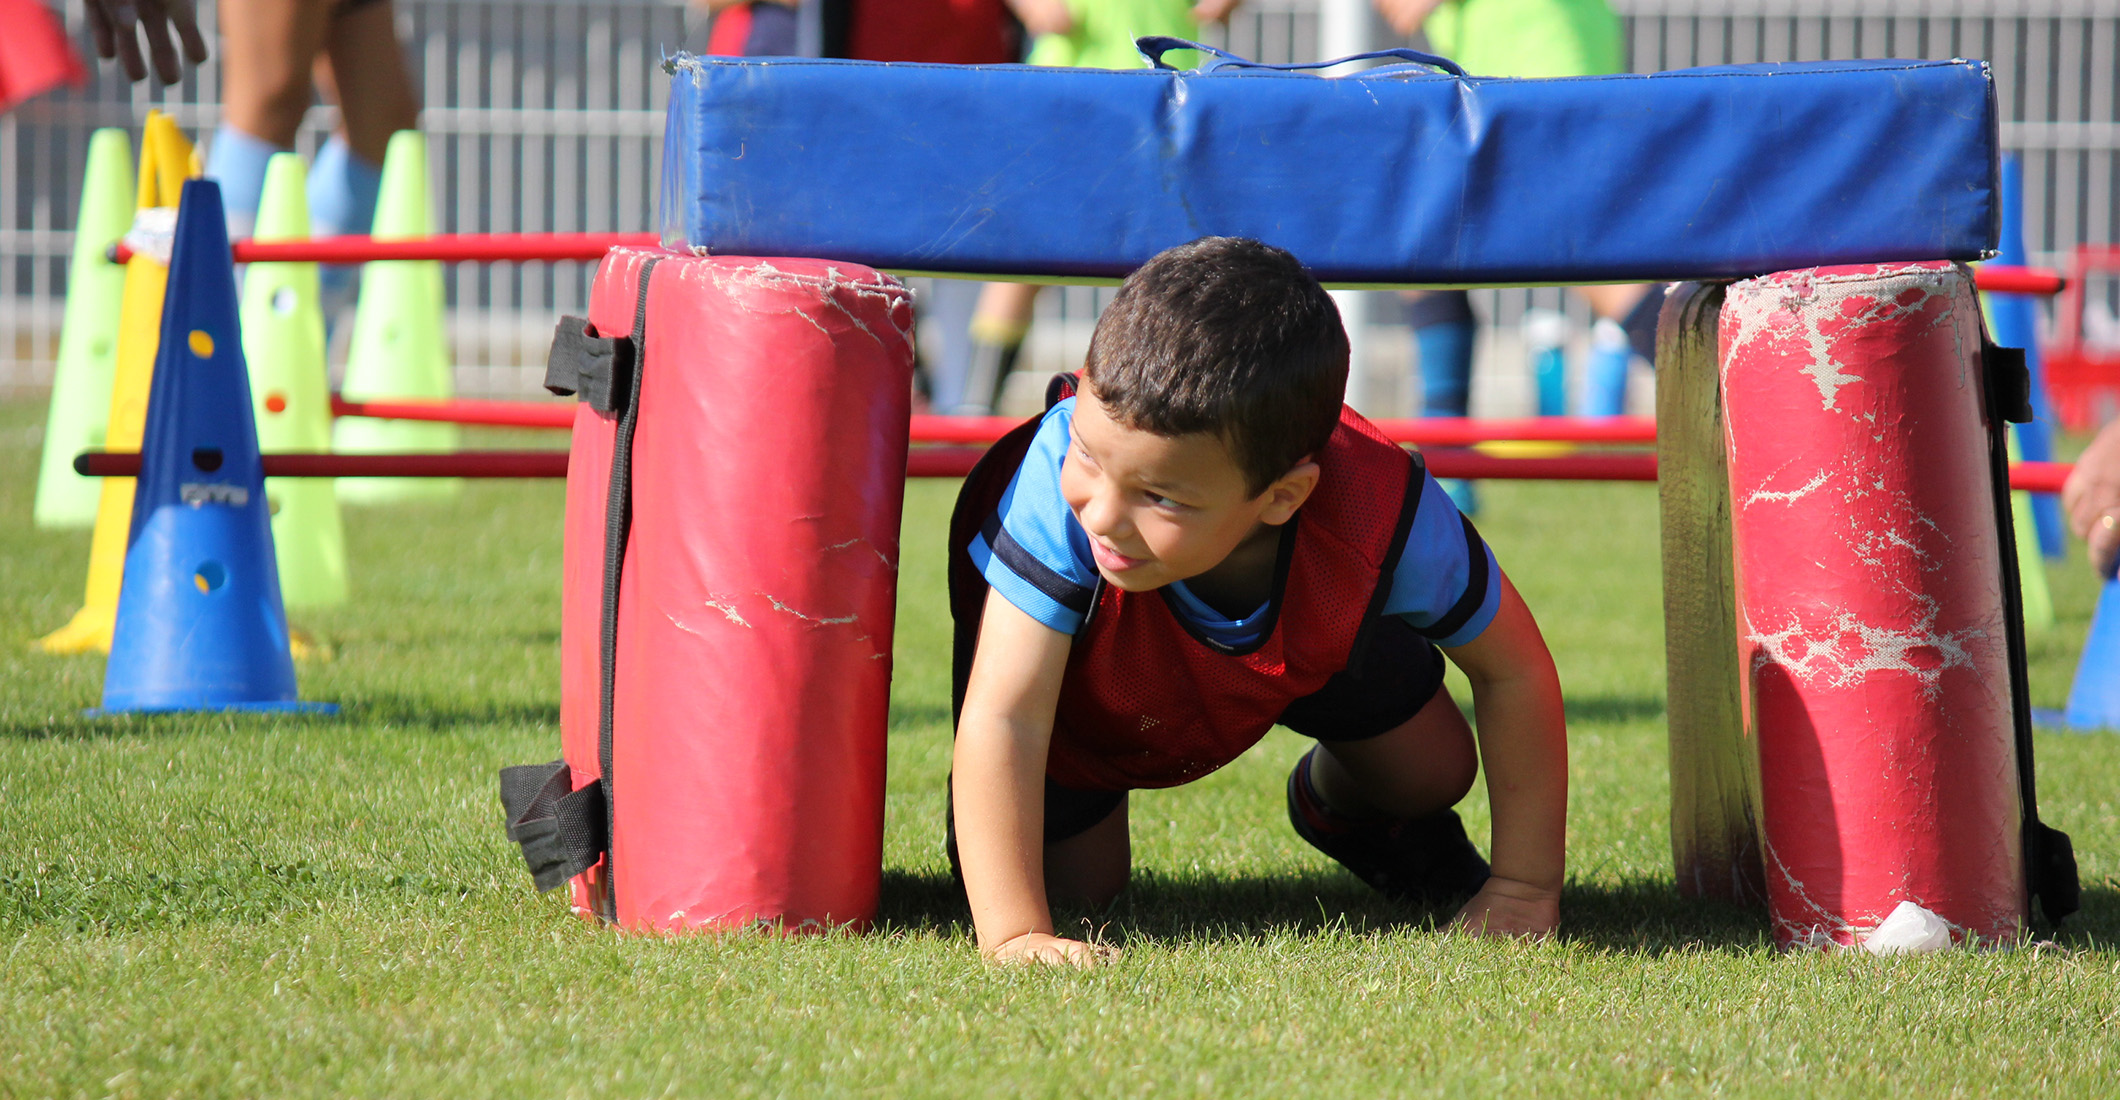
1506, 907
1046, 949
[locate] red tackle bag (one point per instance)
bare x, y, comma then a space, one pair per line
1883, 657
733, 501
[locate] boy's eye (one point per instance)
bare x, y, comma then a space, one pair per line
1161, 501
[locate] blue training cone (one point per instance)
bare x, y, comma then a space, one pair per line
2013, 319
2094, 699
200, 624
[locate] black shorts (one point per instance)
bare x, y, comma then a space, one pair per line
1399, 673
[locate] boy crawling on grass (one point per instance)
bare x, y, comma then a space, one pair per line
1202, 541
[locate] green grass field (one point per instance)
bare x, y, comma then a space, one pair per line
327, 906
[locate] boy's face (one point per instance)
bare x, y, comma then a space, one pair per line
1160, 508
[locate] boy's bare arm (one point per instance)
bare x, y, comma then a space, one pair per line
1516, 696
998, 783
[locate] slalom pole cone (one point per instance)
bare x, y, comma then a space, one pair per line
88, 336
200, 624
398, 349
2094, 699
283, 339
165, 158
2013, 319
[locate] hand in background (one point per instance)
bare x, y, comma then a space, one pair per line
1043, 16
1506, 907
116, 23
2091, 496
1405, 16
1214, 11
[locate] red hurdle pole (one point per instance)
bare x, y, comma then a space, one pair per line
485, 464
1436, 432
2011, 279
449, 247
502, 414
953, 461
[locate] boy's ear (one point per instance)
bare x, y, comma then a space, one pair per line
1289, 491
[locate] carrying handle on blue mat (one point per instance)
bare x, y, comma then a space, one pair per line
1153, 47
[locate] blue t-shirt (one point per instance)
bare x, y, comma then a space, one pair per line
1037, 556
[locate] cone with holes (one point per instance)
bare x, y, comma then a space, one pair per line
398, 349
88, 336
200, 625
166, 160
283, 339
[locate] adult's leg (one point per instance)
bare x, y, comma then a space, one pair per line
364, 72
1091, 867
267, 47
266, 50
1423, 765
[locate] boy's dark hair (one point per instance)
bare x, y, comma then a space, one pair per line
1228, 336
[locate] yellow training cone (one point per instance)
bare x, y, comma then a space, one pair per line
283, 341
166, 160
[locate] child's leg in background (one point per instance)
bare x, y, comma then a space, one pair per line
1443, 333
946, 309
1612, 346
998, 328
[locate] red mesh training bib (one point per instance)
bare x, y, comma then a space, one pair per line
1146, 703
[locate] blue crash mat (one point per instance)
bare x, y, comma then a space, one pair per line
1402, 175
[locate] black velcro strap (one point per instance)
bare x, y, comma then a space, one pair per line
618, 527
2009, 382
2049, 858
561, 830
1416, 483
598, 368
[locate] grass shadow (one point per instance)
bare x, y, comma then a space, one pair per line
910, 716
427, 713
1645, 917
1614, 708
414, 713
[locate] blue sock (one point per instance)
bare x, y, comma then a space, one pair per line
237, 161
1446, 366
1445, 348
342, 193
1605, 377
342, 190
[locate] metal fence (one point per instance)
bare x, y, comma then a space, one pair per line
547, 114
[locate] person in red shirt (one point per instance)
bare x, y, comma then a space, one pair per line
946, 32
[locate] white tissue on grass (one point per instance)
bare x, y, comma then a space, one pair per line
1909, 929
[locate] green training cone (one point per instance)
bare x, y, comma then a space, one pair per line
2031, 565
283, 340
398, 350
88, 336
